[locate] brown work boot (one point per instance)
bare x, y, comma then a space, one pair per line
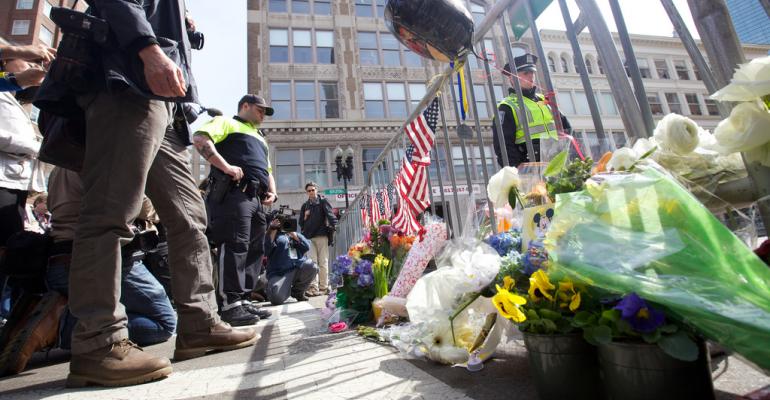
220, 337
119, 364
37, 330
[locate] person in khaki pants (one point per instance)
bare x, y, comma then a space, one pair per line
315, 220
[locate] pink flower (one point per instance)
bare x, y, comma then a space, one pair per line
337, 327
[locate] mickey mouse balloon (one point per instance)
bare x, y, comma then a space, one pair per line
437, 29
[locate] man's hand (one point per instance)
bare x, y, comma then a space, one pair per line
235, 172
30, 77
275, 223
163, 76
307, 214
293, 235
33, 52
269, 199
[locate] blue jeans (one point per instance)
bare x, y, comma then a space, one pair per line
151, 319
5, 298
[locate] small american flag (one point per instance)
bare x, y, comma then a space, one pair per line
376, 216
404, 220
364, 213
385, 203
421, 130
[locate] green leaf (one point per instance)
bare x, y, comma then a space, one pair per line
679, 346
669, 328
583, 318
532, 315
550, 326
651, 337
551, 315
563, 326
597, 334
557, 164
512, 195
611, 315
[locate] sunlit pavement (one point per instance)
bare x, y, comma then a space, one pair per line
297, 359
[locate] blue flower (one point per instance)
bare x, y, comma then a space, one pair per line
504, 242
639, 315
365, 280
341, 265
364, 267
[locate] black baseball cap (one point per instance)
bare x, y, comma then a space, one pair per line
524, 62
257, 100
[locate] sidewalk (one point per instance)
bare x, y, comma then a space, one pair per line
297, 359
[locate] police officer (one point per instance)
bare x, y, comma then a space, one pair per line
241, 184
542, 128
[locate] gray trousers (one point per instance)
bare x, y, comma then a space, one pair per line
296, 281
129, 150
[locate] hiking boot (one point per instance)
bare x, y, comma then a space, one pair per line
220, 337
301, 296
119, 364
312, 292
238, 316
39, 330
256, 310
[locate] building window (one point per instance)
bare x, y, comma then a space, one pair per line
564, 100
681, 70
498, 91
440, 160
324, 42
551, 64
304, 100
412, 59
303, 47
367, 48
330, 104
458, 163
280, 99
696, 72
322, 7
693, 104
662, 69
369, 155
396, 100
655, 107
24, 4
380, 8
300, 6
564, 65
279, 45
478, 12
277, 6
373, 100
607, 104
390, 53
416, 93
711, 107
480, 92
581, 103
674, 105
476, 63
620, 139
589, 66
287, 169
364, 8
47, 9
479, 164
600, 66
314, 166
20, 27
644, 68
45, 35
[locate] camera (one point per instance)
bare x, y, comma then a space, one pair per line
196, 39
286, 216
77, 62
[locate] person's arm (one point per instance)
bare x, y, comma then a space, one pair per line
301, 243
271, 193
206, 149
33, 52
14, 143
330, 218
302, 216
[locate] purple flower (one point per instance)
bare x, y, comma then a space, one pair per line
365, 280
341, 265
364, 267
505, 242
638, 314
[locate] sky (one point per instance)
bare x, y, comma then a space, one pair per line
220, 68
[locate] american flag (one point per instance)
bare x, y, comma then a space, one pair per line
413, 186
404, 220
364, 213
421, 130
375, 215
385, 203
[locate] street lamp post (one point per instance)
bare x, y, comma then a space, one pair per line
344, 169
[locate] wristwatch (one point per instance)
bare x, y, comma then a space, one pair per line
11, 79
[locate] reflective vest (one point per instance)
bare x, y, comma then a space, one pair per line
539, 118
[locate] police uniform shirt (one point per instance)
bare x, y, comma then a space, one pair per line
241, 144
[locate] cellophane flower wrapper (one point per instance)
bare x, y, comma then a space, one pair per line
433, 240
645, 233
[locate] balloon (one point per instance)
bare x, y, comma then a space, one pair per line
436, 29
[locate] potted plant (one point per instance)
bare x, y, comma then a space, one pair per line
642, 355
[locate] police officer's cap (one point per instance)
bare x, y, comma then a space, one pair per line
524, 62
256, 100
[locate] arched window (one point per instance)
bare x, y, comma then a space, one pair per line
564, 64
551, 63
589, 65
599, 64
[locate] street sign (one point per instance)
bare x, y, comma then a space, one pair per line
334, 191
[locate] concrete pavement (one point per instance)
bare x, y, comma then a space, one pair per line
297, 359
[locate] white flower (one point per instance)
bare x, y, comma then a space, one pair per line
500, 185
750, 81
745, 129
622, 159
677, 134
644, 145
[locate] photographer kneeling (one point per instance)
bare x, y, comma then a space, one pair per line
289, 271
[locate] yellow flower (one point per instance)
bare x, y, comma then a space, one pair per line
508, 304
568, 295
508, 282
539, 285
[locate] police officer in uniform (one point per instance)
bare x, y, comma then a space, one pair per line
541, 124
241, 184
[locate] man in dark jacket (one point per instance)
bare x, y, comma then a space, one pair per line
316, 219
129, 150
540, 120
289, 272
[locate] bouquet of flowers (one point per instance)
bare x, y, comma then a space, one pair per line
355, 286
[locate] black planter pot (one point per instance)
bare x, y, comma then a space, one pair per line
563, 366
642, 371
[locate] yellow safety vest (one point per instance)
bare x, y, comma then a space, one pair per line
539, 118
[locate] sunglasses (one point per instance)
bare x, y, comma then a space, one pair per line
310, 190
